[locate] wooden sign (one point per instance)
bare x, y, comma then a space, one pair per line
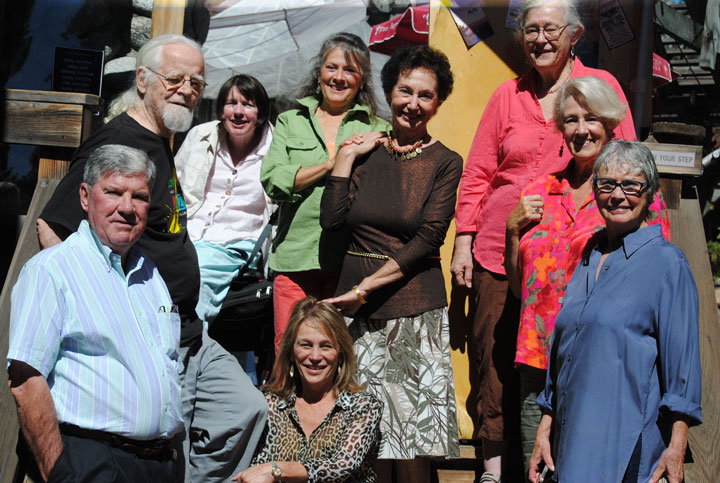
677, 158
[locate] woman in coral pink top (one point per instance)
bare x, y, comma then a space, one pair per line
547, 232
516, 143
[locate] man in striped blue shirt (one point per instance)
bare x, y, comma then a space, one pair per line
94, 339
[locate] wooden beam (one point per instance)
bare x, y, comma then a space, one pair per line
678, 26
46, 118
168, 17
50, 119
704, 440
27, 246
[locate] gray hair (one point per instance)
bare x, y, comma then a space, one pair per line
570, 13
594, 95
632, 156
150, 56
117, 158
356, 53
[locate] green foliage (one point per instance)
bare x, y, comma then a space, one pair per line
714, 252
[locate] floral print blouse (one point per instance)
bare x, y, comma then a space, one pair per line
340, 448
549, 252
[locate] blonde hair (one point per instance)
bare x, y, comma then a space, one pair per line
330, 321
596, 96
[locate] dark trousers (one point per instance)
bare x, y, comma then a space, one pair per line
494, 338
86, 460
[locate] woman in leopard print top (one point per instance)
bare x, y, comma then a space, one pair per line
322, 427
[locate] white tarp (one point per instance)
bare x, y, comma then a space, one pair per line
274, 40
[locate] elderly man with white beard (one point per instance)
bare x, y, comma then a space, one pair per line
224, 414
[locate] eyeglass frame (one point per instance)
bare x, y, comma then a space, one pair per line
185, 78
643, 186
545, 34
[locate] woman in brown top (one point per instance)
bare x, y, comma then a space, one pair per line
395, 193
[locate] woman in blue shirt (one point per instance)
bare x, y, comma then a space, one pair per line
624, 373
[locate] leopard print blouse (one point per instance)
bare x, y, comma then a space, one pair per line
340, 448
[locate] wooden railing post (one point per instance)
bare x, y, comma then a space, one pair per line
41, 118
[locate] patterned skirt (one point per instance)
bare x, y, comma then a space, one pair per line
406, 363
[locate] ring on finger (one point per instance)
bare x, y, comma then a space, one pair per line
537, 209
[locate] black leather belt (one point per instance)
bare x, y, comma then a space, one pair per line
155, 449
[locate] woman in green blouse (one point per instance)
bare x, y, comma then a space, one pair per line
335, 103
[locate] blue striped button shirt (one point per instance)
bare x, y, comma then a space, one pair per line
107, 342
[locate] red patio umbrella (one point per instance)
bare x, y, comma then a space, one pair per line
409, 28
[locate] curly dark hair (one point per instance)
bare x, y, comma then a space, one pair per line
418, 56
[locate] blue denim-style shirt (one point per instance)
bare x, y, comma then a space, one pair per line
624, 358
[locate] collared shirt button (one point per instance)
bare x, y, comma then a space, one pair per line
228, 192
606, 268
229, 181
217, 206
234, 171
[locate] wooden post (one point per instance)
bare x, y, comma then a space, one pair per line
168, 17
44, 119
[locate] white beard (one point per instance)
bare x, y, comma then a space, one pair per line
177, 118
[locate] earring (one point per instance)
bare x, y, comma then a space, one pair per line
572, 51
292, 370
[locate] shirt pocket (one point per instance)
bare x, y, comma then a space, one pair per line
168, 332
305, 151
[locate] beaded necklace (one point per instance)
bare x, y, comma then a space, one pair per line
404, 154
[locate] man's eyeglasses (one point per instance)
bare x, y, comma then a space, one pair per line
177, 80
551, 32
628, 186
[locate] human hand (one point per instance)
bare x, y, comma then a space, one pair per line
541, 450
255, 474
46, 236
670, 465
359, 144
461, 265
347, 303
528, 209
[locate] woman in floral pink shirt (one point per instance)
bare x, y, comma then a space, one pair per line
548, 229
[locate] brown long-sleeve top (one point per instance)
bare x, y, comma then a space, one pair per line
401, 209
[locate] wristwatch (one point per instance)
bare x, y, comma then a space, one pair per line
276, 472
